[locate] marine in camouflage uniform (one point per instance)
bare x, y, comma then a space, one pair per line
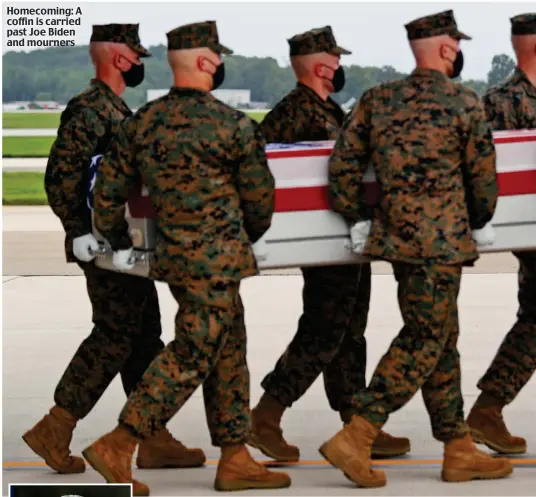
126, 316
330, 337
432, 150
206, 171
512, 105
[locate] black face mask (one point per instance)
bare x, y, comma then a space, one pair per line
338, 80
218, 76
457, 65
134, 76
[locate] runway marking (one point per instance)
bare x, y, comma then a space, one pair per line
305, 463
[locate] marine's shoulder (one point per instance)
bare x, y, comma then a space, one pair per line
85, 105
160, 103
508, 88
385, 88
468, 95
296, 100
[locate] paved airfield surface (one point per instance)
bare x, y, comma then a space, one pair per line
47, 314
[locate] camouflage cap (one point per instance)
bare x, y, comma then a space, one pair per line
523, 24
315, 41
435, 25
197, 35
120, 33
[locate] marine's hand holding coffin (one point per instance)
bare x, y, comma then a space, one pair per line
484, 236
123, 259
85, 247
359, 234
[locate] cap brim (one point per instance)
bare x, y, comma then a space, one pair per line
462, 36
221, 49
341, 51
140, 50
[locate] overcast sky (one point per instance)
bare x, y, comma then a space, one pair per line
374, 32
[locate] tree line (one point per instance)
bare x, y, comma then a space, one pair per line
59, 73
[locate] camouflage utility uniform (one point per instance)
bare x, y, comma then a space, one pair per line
205, 168
509, 106
330, 337
432, 150
126, 315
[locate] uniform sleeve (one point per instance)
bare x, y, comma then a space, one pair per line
66, 176
480, 174
255, 182
348, 164
116, 176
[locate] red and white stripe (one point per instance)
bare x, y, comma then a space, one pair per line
301, 174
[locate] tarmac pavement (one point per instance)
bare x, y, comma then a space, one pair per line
47, 314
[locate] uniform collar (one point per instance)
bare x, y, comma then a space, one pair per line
519, 77
116, 100
315, 96
421, 72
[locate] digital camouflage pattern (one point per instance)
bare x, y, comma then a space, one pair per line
437, 172
125, 338
330, 336
126, 316
209, 349
435, 25
315, 41
120, 33
302, 116
206, 170
88, 119
523, 24
432, 150
423, 355
512, 105
198, 35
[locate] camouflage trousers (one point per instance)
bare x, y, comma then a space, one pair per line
423, 355
330, 338
515, 361
209, 349
125, 339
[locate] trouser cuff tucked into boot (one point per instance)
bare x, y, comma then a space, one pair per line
464, 462
50, 439
237, 470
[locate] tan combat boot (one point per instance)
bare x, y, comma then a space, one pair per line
386, 445
266, 434
111, 457
464, 462
488, 428
237, 470
50, 440
163, 451
350, 451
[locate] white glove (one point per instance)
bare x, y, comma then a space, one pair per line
121, 259
484, 236
85, 247
260, 249
359, 233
